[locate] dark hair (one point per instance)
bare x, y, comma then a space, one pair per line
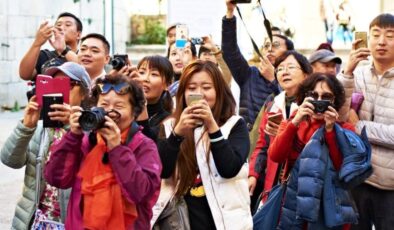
164, 66
383, 21
326, 46
202, 50
275, 28
99, 37
77, 20
301, 59
223, 109
136, 95
289, 43
192, 48
332, 82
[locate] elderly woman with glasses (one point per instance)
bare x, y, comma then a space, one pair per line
319, 98
291, 69
115, 171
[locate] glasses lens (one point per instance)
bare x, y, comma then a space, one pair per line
104, 88
276, 44
327, 96
313, 95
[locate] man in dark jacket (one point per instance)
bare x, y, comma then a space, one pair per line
256, 83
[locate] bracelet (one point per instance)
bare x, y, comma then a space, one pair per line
65, 51
177, 137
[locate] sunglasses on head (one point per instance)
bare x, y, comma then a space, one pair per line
120, 88
324, 96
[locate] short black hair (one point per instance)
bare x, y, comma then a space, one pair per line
289, 43
383, 21
301, 59
99, 37
77, 20
332, 82
203, 49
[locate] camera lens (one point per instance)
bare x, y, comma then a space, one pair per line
117, 63
93, 119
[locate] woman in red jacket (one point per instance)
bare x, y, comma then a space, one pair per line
312, 113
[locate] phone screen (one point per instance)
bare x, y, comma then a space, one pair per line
276, 118
48, 100
181, 35
193, 98
363, 36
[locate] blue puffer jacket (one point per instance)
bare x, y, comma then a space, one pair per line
254, 87
316, 192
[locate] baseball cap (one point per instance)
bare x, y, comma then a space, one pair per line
324, 56
73, 70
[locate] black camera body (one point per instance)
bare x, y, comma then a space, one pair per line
119, 61
320, 105
92, 119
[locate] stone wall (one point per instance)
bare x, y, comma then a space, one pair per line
20, 19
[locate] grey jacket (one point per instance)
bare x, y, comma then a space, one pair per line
21, 149
377, 115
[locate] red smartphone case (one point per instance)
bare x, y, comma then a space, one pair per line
47, 85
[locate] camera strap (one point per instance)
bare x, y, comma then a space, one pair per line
267, 26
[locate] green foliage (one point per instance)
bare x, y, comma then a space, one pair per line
155, 33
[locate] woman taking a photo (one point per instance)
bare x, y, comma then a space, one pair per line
319, 158
114, 175
205, 151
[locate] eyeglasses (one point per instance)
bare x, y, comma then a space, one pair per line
74, 83
290, 68
324, 96
121, 88
269, 45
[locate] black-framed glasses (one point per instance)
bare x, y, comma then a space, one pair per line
324, 96
290, 68
121, 88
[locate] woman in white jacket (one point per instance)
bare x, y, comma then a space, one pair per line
205, 152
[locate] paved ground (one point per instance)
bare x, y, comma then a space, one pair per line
10, 179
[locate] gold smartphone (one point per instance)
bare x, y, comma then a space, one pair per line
193, 98
363, 36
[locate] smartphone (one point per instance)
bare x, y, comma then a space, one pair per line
181, 35
363, 36
48, 85
48, 100
193, 98
276, 118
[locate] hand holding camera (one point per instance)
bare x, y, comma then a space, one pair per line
32, 113
44, 32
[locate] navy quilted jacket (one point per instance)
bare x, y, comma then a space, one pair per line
254, 87
316, 192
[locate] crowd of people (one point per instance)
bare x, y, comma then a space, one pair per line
199, 138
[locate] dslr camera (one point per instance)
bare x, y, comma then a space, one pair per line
118, 61
92, 119
320, 105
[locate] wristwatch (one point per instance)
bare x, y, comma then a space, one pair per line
65, 51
